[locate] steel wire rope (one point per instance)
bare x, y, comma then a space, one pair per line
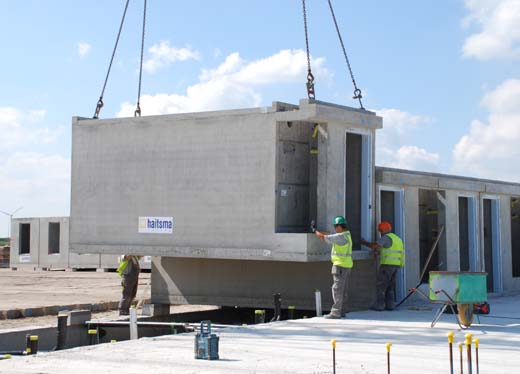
310, 77
357, 91
100, 103
137, 111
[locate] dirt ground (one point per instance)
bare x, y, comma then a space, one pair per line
28, 289
31, 289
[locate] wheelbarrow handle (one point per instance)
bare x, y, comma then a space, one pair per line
446, 294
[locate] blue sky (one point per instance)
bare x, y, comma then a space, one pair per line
443, 74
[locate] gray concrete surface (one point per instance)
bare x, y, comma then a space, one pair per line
39, 256
216, 170
304, 346
454, 186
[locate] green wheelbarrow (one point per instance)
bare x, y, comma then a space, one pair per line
463, 289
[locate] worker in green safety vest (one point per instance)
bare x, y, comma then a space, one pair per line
390, 249
128, 270
341, 257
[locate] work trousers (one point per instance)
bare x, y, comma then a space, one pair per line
340, 276
129, 284
385, 287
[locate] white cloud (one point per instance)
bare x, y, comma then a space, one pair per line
392, 149
83, 49
163, 54
491, 149
499, 37
38, 182
232, 84
14, 134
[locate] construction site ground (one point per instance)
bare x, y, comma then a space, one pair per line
42, 293
304, 346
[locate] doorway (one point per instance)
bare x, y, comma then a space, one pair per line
54, 238
357, 187
515, 236
468, 248
25, 238
491, 243
432, 215
391, 210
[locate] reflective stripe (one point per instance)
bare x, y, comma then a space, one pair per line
394, 255
341, 255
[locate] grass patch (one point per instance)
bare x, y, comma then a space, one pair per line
4, 242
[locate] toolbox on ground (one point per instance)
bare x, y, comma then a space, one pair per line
206, 343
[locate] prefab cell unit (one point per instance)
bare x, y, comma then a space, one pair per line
227, 198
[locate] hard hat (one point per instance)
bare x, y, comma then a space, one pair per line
384, 226
340, 220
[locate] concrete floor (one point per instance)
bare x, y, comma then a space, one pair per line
303, 346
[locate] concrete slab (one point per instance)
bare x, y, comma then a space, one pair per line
303, 346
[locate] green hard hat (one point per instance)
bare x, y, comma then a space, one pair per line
340, 220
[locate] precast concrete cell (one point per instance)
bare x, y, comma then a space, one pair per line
237, 184
229, 185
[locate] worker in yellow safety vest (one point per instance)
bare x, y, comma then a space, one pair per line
341, 257
390, 249
128, 270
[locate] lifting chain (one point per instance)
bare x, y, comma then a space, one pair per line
357, 91
310, 77
137, 112
100, 101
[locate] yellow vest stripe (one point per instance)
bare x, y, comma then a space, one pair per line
341, 255
395, 254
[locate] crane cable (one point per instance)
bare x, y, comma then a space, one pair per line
138, 108
100, 101
357, 91
310, 77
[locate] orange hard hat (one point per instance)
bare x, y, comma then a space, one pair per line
384, 226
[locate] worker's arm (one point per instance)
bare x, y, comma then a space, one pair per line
383, 241
371, 245
321, 234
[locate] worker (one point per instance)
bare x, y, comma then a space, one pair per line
128, 270
341, 257
390, 249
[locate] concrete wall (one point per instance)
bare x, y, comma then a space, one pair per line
25, 260
454, 187
213, 172
216, 174
40, 258
56, 260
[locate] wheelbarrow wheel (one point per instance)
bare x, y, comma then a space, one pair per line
465, 314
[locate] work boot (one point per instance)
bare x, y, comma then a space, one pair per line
332, 316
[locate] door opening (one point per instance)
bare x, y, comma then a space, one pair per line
25, 238
491, 231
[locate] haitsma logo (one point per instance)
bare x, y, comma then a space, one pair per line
155, 225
